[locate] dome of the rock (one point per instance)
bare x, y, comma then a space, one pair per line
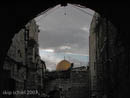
63, 65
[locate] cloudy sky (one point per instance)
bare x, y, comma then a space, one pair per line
64, 32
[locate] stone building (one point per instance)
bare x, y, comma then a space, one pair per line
107, 58
68, 82
92, 56
79, 82
23, 61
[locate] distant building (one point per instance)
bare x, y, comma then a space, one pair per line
63, 65
68, 82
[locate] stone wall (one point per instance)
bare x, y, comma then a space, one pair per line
92, 55
111, 62
79, 84
74, 86
23, 60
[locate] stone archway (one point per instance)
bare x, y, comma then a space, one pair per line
15, 15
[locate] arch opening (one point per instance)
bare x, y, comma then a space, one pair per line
104, 25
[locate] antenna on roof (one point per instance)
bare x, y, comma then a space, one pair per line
64, 57
65, 11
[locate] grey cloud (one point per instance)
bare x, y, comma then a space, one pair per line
74, 18
77, 39
58, 30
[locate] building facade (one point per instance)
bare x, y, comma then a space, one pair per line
107, 58
23, 61
92, 56
71, 83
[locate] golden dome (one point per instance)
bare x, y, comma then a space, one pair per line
63, 65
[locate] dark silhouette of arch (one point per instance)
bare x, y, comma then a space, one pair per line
16, 14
